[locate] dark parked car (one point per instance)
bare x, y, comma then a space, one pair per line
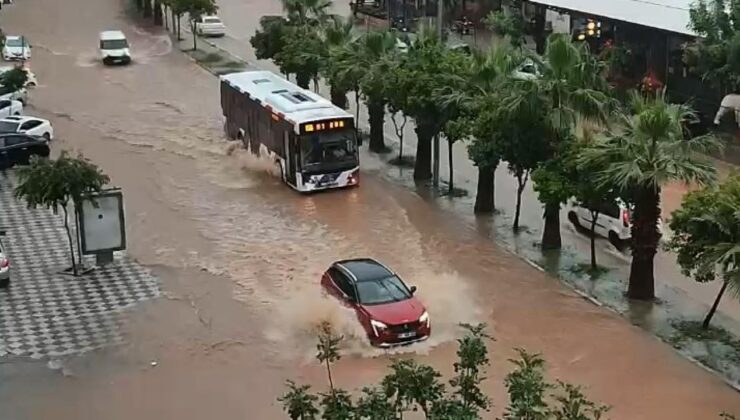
17, 149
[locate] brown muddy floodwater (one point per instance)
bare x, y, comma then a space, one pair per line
240, 258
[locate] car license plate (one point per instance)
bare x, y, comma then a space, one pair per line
407, 334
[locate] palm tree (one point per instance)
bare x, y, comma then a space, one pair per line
573, 85
477, 93
648, 149
338, 38
365, 64
307, 12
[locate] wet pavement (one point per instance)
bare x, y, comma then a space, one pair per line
239, 258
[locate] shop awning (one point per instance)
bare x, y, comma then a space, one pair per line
668, 15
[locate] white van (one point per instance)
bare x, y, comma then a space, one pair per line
114, 47
614, 222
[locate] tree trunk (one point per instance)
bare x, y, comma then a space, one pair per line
551, 234
303, 80
77, 236
164, 17
521, 180
594, 218
400, 149
452, 172
147, 8
518, 208
338, 97
713, 309
157, 13
376, 117
139, 5
645, 239
69, 239
174, 23
195, 37
423, 164
179, 27
485, 195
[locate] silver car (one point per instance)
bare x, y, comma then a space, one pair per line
4, 264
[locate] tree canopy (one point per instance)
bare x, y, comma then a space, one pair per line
715, 54
412, 386
14, 79
706, 236
56, 183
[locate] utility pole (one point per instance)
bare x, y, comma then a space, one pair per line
435, 145
440, 17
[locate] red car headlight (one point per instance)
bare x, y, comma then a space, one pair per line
377, 327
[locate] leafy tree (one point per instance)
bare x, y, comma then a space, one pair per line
376, 51
579, 182
455, 130
469, 369
648, 149
307, 12
521, 134
414, 387
527, 388
337, 36
14, 79
195, 9
270, 39
573, 405
427, 66
715, 53
509, 25
478, 97
59, 183
299, 404
706, 237
572, 86
300, 54
328, 349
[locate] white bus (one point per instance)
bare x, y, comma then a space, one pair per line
312, 141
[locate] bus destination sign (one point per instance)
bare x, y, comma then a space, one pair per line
326, 125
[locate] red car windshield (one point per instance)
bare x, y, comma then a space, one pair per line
378, 292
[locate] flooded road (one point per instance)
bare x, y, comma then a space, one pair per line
240, 257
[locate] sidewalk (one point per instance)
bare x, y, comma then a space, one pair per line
47, 314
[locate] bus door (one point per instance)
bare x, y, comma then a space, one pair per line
290, 158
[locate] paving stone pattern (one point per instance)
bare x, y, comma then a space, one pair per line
47, 314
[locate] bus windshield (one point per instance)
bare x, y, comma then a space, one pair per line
328, 149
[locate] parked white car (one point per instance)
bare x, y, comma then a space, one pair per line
16, 48
210, 26
20, 95
114, 48
614, 221
32, 126
30, 79
9, 108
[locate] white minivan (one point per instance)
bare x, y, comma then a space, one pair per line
114, 48
614, 222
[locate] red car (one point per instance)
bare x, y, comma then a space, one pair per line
385, 306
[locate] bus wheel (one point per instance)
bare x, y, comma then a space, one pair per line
279, 170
